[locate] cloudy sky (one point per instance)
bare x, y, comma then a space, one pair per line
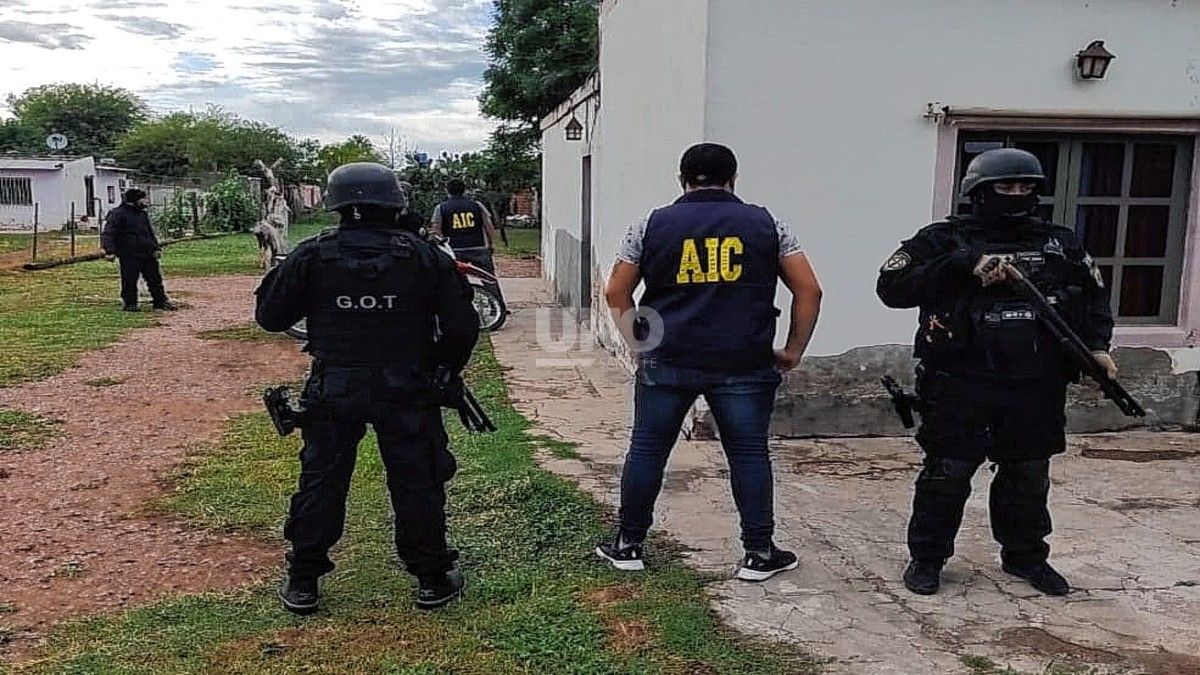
319, 68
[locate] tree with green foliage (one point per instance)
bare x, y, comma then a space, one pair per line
540, 52
357, 148
92, 116
229, 206
159, 147
18, 137
181, 143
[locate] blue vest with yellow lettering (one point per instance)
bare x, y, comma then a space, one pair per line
711, 267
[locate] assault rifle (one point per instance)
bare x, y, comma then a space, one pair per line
1073, 347
451, 392
903, 400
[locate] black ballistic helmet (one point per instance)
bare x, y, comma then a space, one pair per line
1003, 165
364, 184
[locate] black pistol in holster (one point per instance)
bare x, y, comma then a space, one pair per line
286, 417
1071, 344
453, 393
905, 401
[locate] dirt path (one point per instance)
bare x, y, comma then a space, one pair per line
519, 268
73, 539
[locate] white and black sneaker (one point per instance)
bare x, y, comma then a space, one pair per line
627, 558
756, 567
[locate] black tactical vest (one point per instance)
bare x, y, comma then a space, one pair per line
994, 331
462, 223
373, 299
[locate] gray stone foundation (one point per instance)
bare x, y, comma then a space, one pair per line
841, 396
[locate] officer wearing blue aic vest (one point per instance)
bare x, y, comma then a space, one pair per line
467, 226
711, 265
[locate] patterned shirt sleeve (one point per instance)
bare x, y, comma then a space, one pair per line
788, 243
630, 250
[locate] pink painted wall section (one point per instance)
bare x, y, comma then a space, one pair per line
1186, 332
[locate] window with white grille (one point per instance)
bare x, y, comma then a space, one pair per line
16, 191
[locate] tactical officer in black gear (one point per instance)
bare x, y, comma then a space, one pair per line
385, 309
992, 379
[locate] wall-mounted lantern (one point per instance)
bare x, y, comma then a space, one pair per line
574, 129
1093, 62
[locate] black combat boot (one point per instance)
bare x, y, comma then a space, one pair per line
166, 306
1041, 576
299, 595
924, 577
439, 591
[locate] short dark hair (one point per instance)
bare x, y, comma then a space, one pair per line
708, 165
133, 195
456, 187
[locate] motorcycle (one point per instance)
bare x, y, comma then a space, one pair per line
487, 301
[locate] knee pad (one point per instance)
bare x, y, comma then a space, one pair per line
945, 474
1028, 476
949, 469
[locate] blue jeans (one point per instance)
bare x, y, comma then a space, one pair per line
741, 403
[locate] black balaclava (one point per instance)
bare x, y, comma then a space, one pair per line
992, 207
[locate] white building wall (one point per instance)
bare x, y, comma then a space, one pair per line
562, 198
652, 83
106, 178
50, 196
823, 102
18, 217
74, 190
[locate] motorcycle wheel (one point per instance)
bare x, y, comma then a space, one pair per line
491, 310
299, 331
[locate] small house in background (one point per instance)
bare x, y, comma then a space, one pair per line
46, 189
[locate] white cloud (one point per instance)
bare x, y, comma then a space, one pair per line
324, 68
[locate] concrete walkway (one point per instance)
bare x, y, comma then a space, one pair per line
1127, 515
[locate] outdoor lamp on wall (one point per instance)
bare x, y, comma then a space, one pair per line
1093, 61
574, 129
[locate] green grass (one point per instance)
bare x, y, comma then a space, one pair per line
49, 318
247, 332
10, 242
538, 601
23, 431
557, 449
522, 243
981, 665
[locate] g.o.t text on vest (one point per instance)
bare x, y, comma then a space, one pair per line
366, 302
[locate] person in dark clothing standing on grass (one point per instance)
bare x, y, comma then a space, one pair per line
129, 238
387, 312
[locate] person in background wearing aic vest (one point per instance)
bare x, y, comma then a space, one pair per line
467, 225
711, 265
992, 378
385, 311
